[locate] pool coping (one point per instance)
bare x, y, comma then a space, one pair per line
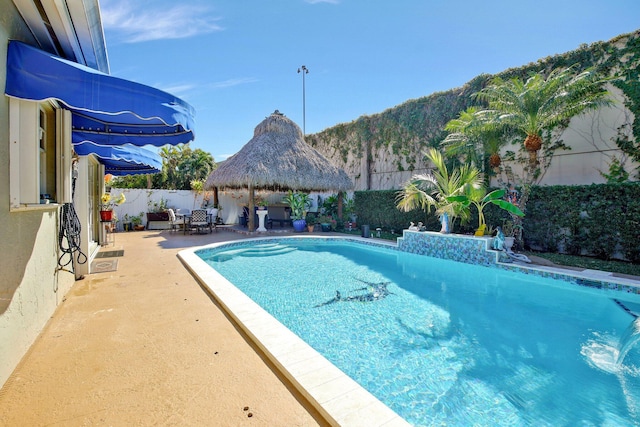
336, 396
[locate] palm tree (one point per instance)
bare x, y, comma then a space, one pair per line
199, 164
170, 160
543, 103
473, 136
425, 191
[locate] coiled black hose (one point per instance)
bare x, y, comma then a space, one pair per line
70, 229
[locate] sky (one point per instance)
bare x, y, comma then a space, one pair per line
236, 61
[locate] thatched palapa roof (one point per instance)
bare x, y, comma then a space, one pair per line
278, 158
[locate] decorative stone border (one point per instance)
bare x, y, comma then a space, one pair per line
477, 250
455, 247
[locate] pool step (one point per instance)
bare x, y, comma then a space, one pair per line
270, 249
267, 250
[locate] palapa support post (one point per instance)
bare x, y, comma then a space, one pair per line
251, 222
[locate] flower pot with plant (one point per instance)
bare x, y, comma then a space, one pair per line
157, 211
107, 205
127, 225
262, 204
311, 222
327, 223
510, 230
299, 203
137, 222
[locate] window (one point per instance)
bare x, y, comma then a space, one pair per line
40, 153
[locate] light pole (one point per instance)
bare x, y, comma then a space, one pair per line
304, 70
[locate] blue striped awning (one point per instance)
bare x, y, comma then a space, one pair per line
122, 160
106, 110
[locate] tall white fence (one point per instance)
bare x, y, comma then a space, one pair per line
141, 201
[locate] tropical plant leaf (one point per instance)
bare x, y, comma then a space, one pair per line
508, 206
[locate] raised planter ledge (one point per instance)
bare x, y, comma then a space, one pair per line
455, 247
477, 250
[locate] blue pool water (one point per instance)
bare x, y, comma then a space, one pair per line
445, 343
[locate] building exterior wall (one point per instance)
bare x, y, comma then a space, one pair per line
31, 286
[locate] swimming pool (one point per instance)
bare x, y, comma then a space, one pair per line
443, 342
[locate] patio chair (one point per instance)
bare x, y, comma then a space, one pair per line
174, 222
199, 220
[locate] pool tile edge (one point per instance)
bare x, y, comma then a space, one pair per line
323, 395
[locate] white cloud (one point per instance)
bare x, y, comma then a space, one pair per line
233, 82
135, 22
322, 1
178, 90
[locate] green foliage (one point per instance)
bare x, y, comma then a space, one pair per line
597, 220
617, 172
197, 185
330, 206
137, 219
299, 204
480, 199
600, 220
589, 263
434, 190
180, 167
378, 209
407, 130
156, 206
629, 82
539, 104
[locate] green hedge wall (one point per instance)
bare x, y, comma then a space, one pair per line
601, 220
378, 209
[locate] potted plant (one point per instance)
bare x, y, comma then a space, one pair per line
106, 205
327, 222
298, 203
262, 203
137, 222
311, 222
157, 211
127, 224
509, 229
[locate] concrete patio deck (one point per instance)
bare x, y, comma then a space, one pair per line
145, 345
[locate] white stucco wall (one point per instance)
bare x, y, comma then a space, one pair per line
31, 287
591, 137
231, 202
